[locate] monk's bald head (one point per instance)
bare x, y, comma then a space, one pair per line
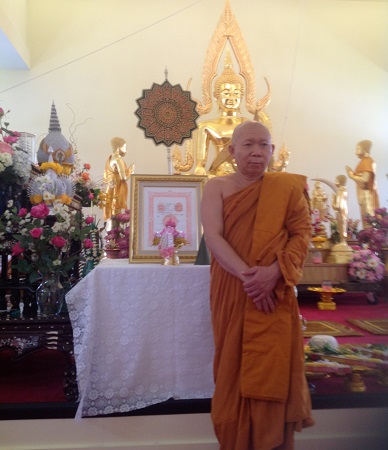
249, 126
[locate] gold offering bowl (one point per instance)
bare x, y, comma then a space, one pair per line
327, 296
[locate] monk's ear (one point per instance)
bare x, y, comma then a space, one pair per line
273, 148
231, 149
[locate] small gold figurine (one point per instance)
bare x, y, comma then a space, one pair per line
319, 200
116, 175
364, 175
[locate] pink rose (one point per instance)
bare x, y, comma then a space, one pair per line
87, 166
10, 139
17, 249
91, 196
58, 241
89, 220
40, 211
6, 148
88, 243
22, 212
36, 232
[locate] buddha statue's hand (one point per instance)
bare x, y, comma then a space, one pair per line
200, 170
349, 171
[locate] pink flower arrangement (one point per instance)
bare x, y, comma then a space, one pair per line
375, 236
118, 237
45, 245
366, 266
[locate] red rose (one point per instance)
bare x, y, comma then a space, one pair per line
58, 241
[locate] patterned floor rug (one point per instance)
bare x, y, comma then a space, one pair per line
326, 327
374, 326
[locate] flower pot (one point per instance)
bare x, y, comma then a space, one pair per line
112, 253
50, 296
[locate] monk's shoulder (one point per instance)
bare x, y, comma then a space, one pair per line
223, 185
287, 180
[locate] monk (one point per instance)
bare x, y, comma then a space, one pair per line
257, 226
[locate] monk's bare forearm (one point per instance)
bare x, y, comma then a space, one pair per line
226, 256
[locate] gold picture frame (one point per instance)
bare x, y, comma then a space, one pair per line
155, 197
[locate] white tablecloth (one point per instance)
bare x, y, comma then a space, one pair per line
142, 335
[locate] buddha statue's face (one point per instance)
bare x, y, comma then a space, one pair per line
360, 151
230, 97
122, 150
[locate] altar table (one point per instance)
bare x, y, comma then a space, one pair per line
142, 334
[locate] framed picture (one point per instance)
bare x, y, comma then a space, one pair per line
154, 200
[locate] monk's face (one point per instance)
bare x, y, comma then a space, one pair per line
252, 149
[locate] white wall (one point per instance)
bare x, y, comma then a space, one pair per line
325, 60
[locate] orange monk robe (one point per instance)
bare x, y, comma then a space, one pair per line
367, 165
261, 394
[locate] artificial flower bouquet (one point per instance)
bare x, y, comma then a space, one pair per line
117, 238
47, 241
87, 189
365, 265
376, 235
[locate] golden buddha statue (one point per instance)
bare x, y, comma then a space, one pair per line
364, 175
116, 175
339, 204
228, 93
228, 90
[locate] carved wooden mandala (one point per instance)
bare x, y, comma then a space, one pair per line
167, 114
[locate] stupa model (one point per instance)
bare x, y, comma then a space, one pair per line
62, 151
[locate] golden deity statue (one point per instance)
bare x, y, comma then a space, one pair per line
365, 177
228, 91
116, 175
339, 204
319, 200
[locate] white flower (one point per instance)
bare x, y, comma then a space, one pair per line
372, 263
9, 203
57, 227
57, 262
361, 274
47, 196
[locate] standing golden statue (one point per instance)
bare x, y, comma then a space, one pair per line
319, 201
365, 177
339, 204
116, 175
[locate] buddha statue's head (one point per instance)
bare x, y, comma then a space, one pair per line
119, 146
340, 180
363, 148
229, 88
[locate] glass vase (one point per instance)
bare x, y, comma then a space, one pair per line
50, 296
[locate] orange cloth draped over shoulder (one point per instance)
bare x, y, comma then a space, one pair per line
261, 395
368, 165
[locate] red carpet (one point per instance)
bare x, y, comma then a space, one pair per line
36, 378
349, 306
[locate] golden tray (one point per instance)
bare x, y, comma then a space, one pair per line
326, 302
